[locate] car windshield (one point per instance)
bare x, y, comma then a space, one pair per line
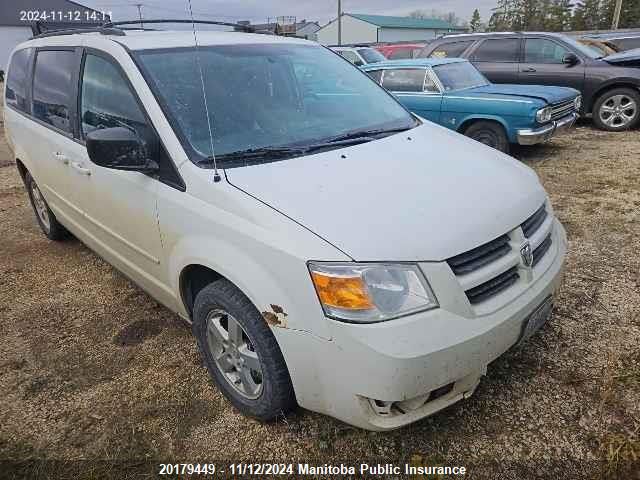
583, 49
459, 76
371, 56
266, 96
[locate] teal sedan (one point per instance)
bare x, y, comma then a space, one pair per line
453, 93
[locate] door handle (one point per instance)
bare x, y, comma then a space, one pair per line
78, 166
61, 157
529, 70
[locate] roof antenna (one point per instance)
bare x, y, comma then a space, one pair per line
216, 175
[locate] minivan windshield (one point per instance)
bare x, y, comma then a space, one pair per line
459, 76
268, 101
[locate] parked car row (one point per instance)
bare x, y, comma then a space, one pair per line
330, 249
601, 67
609, 85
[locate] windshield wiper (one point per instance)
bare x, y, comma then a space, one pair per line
253, 155
365, 134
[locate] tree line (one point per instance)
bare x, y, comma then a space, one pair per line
558, 15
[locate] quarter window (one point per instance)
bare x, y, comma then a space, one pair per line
376, 75
541, 50
404, 80
52, 80
107, 101
352, 57
16, 91
451, 50
497, 50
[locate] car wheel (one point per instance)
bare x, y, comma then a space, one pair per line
617, 109
46, 219
241, 353
489, 133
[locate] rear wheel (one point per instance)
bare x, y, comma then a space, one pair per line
241, 353
489, 133
617, 109
46, 219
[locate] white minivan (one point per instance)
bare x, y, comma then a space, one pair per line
331, 250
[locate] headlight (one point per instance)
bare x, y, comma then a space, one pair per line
543, 115
371, 292
578, 103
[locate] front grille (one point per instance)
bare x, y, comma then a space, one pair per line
493, 287
531, 224
541, 249
562, 109
480, 256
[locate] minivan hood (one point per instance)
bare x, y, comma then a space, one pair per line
629, 58
424, 195
545, 93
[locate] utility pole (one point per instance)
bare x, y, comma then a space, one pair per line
339, 22
616, 15
139, 5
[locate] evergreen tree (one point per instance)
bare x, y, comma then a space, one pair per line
630, 14
475, 22
606, 10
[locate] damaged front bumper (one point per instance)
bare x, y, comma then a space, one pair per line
385, 375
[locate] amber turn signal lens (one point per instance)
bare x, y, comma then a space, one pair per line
342, 292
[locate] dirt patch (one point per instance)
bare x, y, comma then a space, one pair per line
91, 367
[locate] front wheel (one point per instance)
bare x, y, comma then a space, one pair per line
46, 219
489, 133
241, 353
617, 109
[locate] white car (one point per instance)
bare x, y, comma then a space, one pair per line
331, 250
360, 56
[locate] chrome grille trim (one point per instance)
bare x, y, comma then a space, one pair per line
562, 109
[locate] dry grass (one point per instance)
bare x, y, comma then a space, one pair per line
92, 368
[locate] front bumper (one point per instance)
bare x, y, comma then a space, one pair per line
383, 376
531, 136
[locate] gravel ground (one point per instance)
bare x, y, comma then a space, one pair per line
93, 368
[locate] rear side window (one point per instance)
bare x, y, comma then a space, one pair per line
106, 100
451, 50
497, 50
52, 80
16, 91
404, 80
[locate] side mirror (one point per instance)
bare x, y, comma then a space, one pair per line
570, 58
121, 149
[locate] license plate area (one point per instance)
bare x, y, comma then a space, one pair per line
536, 320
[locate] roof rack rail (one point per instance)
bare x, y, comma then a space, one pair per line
246, 28
114, 28
73, 31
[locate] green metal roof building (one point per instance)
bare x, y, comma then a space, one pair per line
361, 28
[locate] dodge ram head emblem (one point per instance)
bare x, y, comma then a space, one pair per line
526, 253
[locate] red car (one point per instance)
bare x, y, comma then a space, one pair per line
400, 50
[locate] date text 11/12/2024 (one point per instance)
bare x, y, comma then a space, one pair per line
268, 469
64, 16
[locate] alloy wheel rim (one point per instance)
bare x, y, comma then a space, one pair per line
234, 354
40, 206
618, 111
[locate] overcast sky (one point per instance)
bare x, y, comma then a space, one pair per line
259, 10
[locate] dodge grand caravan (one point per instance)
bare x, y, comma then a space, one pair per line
330, 249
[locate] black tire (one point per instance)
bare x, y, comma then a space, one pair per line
489, 133
612, 120
276, 396
52, 229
